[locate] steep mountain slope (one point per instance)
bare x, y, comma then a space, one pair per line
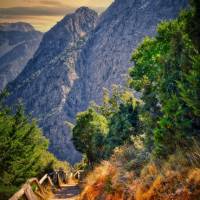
47, 85
18, 43
105, 58
47, 79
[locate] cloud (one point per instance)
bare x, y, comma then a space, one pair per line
43, 14
35, 11
51, 3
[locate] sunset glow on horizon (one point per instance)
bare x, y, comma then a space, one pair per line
43, 14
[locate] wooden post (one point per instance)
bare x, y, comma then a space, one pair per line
59, 181
29, 193
18, 194
50, 181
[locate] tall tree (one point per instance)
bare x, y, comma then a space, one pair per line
23, 150
21, 145
167, 73
89, 134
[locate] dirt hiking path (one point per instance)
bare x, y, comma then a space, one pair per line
67, 192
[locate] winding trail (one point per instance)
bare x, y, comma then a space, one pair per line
67, 192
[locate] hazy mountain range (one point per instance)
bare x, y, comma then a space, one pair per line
18, 43
78, 57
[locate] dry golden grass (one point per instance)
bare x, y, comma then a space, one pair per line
178, 178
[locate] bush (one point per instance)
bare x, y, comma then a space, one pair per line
175, 178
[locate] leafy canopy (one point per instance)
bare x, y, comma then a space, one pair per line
166, 72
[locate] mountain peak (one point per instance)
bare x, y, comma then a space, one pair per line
18, 26
81, 16
84, 9
69, 29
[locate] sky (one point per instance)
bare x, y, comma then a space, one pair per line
43, 14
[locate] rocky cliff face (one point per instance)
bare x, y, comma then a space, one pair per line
105, 58
68, 70
18, 43
47, 79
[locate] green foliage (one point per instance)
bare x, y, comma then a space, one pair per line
82, 165
167, 73
102, 128
23, 150
21, 144
123, 124
48, 162
192, 80
89, 134
193, 23
7, 191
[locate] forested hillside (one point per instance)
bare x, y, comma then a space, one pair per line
148, 148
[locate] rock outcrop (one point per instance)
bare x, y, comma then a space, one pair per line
69, 70
18, 43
